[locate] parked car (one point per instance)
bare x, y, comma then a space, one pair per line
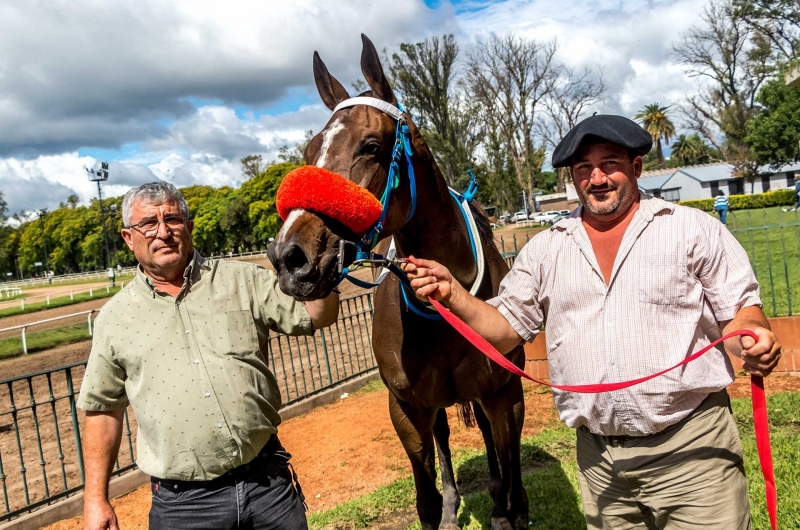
544, 217
553, 216
521, 215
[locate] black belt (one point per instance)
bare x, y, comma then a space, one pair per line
272, 459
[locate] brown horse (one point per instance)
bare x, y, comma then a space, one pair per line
425, 364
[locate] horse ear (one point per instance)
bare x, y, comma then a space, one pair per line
373, 72
330, 89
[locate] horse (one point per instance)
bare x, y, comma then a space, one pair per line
425, 364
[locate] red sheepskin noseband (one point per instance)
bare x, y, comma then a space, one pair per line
327, 193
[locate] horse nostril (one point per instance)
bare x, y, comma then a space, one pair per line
294, 258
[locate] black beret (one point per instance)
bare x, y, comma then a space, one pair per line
615, 129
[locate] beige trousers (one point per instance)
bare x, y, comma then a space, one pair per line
690, 475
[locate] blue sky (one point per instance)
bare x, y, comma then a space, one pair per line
181, 89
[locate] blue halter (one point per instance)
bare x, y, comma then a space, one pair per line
365, 245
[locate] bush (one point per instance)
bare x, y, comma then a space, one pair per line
748, 202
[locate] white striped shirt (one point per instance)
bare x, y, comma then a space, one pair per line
677, 274
720, 202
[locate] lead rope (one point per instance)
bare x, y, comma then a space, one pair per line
760, 417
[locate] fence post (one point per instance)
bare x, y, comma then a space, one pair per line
70, 296
75, 427
48, 299
24, 342
325, 353
89, 320
90, 292
22, 303
107, 289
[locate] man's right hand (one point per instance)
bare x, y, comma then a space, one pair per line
99, 515
429, 278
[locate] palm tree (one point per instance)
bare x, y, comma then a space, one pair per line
655, 121
687, 149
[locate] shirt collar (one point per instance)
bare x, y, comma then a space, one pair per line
649, 206
190, 275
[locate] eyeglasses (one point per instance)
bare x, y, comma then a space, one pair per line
149, 226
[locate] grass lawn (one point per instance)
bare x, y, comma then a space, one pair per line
550, 477
772, 240
44, 340
61, 301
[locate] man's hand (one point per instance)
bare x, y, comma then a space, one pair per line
429, 278
761, 357
99, 515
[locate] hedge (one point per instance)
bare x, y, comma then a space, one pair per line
748, 202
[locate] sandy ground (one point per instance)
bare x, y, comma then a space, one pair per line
338, 460
40, 292
18, 320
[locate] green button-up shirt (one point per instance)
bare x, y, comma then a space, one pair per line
193, 367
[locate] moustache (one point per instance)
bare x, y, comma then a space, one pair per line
601, 189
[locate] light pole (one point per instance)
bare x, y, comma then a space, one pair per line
100, 174
42, 213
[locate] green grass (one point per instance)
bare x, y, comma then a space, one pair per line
550, 477
61, 301
44, 340
373, 386
771, 238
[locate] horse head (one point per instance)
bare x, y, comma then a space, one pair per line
357, 143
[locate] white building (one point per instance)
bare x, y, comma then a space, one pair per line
704, 181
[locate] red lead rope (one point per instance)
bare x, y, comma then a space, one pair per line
760, 422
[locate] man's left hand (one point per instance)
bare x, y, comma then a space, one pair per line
762, 356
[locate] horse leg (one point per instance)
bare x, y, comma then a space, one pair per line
506, 412
452, 500
495, 480
414, 427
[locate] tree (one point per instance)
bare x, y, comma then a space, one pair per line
426, 77
3, 208
777, 20
656, 122
571, 95
252, 165
734, 67
774, 134
510, 77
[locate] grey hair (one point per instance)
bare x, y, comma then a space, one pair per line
155, 193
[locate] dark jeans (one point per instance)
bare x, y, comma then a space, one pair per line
260, 495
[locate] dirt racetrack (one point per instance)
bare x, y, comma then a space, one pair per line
349, 448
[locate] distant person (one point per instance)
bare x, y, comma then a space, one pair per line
184, 344
721, 206
797, 191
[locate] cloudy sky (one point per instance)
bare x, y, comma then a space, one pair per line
180, 90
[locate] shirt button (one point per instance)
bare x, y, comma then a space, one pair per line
219, 425
618, 399
187, 331
612, 363
197, 361
235, 453
208, 394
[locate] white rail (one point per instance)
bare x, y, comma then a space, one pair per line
71, 294
23, 327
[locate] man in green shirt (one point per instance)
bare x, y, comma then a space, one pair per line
183, 344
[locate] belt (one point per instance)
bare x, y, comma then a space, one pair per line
272, 459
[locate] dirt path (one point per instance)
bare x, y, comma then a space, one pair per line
37, 294
348, 449
37, 362
18, 320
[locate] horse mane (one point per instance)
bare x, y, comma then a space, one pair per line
482, 222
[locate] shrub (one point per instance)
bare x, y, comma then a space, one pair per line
748, 202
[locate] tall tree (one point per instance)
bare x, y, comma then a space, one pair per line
733, 62
564, 106
510, 77
774, 134
654, 117
426, 77
252, 165
777, 20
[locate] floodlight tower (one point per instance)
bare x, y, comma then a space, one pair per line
99, 173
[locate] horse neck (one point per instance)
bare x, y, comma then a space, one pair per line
437, 231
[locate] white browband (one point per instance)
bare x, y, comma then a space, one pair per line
382, 106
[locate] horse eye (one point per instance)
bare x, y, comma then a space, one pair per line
372, 148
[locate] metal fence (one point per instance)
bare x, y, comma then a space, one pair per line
40, 426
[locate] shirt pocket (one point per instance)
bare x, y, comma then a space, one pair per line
664, 283
235, 333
